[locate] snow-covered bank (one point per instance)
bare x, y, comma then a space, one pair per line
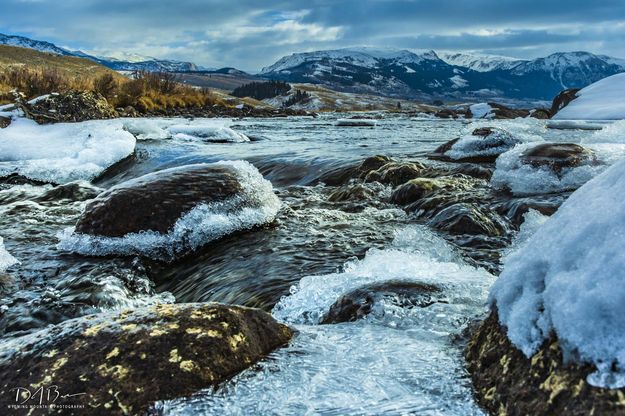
6, 259
568, 277
602, 100
208, 130
63, 152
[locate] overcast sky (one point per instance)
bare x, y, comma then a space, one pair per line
251, 34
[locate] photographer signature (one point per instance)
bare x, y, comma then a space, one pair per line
41, 395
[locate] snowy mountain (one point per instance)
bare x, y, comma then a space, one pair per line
479, 62
427, 74
132, 62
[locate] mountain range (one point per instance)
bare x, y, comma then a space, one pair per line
422, 75
127, 63
428, 74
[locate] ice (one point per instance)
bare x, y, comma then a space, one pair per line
568, 277
209, 130
482, 110
62, 152
396, 362
602, 100
6, 259
255, 205
473, 146
573, 125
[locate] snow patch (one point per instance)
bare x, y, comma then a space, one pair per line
602, 100
568, 277
62, 152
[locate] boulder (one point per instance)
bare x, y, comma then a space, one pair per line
541, 114
468, 218
4, 122
154, 202
73, 106
119, 363
395, 173
483, 145
416, 189
508, 383
562, 100
502, 112
557, 156
360, 302
358, 192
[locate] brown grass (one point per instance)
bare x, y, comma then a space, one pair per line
36, 73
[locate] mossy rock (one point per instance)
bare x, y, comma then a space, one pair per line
558, 156
508, 383
120, 363
469, 218
396, 173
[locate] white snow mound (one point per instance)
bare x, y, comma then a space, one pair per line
63, 152
602, 100
568, 277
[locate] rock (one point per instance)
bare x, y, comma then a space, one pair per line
508, 383
73, 106
396, 173
449, 113
122, 362
4, 122
541, 114
358, 192
157, 200
557, 156
416, 189
468, 218
514, 209
360, 302
562, 100
473, 170
72, 191
502, 112
483, 145
373, 163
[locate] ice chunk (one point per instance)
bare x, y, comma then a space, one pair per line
482, 110
602, 100
210, 130
6, 259
255, 205
568, 277
208, 133
469, 145
63, 152
573, 125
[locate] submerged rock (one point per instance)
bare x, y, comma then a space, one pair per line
122, 362
468, 218
508, 383
360, 302
558, 156
483, 145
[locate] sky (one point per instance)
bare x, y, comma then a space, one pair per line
250, 34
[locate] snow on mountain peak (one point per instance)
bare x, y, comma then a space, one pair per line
479, 62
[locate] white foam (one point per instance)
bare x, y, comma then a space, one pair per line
568, 278
6, 259
62, 152
207, 133
208, 130
255, 205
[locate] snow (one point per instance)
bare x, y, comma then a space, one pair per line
6, 259
568, 278
482, 110
602, 100
206, 130
63, 152
458, 81
497, 142
255, 205
479, 62
573, 125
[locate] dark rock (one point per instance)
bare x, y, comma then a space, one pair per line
514, 209
508, 383
449, 113
502, 112
4, 122
73, 191
358, 192
360, 302
157, 200
373, 163
122, 362
73, 106
494, 142
557, 156
473, 170
562, 100
416, 189
541, 114
396, 173
468, 218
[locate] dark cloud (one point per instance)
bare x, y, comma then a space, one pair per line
250, 34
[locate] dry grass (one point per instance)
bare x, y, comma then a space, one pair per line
36, 73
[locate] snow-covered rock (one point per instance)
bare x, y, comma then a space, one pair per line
602, 100
482, 110
63, 152
568, 278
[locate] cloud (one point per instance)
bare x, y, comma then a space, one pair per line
251, 34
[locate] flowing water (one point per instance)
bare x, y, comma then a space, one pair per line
395, 361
